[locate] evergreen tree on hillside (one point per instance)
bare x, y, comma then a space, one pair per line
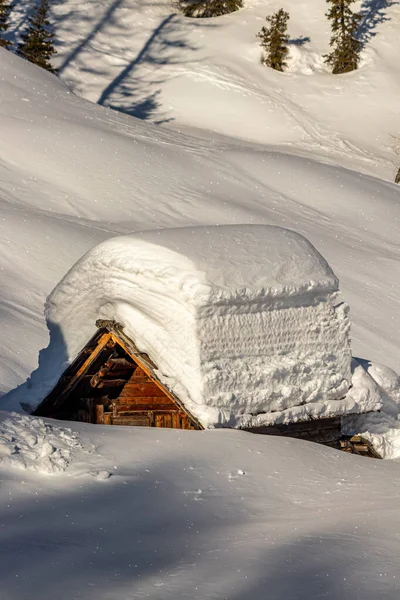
346, 48
37, 41
209, 8
274, 40
4, 12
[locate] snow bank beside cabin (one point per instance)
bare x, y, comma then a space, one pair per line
32, 444
240, 320
382, 428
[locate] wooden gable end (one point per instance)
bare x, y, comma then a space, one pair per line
112, 383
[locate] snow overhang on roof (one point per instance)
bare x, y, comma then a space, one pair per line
218, 263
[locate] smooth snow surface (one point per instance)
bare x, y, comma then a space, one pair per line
200, 515
240, 320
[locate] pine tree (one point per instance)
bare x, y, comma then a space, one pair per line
346, 48
274, 40
209, 8
37, 41
4, 12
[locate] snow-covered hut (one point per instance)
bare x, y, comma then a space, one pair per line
227, 326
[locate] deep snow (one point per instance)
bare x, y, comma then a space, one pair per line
166, 514
239, 319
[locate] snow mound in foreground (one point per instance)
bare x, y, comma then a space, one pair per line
27, 443
240, 320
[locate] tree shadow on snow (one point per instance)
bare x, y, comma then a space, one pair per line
161, 49
300, 41
136, 89
373, 13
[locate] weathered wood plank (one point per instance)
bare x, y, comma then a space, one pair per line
148, 369
140, 380
107, 418
111, 383
151, 400
143, 389
167, 420
61, 391
135, 421
302, 426
99, 413
156, 408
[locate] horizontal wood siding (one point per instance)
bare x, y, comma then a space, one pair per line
142, 396
142, 390
323, 431
133, 420
143, 405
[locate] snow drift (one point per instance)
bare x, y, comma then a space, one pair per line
34, 445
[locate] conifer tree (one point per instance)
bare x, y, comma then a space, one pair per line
346, 48
274, 40
37, 41
4, 12
209, 8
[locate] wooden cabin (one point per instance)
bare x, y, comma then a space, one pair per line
110, 382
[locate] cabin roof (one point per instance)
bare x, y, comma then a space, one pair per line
218, 262
109, 334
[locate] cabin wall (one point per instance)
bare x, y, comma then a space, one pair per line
107, 384
142, 402
323, 431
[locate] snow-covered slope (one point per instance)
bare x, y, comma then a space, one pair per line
206, 73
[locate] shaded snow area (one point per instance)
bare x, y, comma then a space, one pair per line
27, 443
240, 320
198, 515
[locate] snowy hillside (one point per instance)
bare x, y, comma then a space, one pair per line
206, 73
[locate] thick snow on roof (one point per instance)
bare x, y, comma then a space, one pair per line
240, 320
225, 261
